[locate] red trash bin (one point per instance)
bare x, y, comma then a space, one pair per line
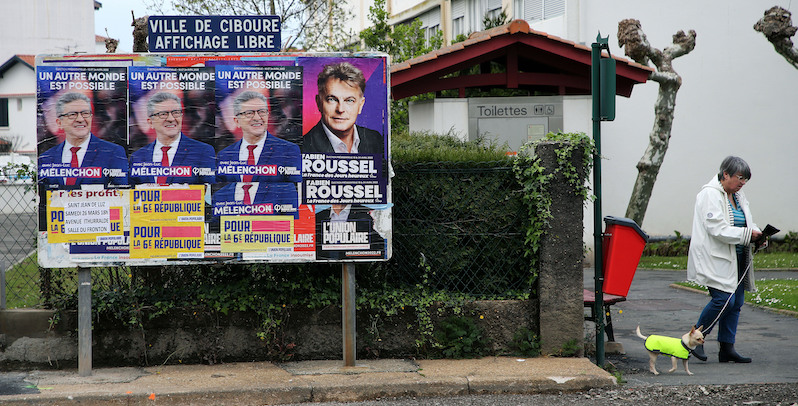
622, 242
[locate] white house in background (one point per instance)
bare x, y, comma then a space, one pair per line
46, 27
738, 97
18, 103
35, 27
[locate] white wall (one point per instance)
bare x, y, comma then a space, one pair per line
46, 26
19, 86
738, 97
38, 27
552, 26
440, 116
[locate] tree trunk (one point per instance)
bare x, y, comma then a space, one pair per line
649, 164
636, 46
777, 26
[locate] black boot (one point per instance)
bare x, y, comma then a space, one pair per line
727, 354
698, 351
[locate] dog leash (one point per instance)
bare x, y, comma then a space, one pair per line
720, 313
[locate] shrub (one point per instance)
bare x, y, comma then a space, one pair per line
460, 337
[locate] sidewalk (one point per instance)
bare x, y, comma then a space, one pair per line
261, 383
766, 336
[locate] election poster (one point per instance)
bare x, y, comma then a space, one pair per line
346, 231
267, 234
85, 216
172, 132
344, 145
176, 159
81, 127
167, 222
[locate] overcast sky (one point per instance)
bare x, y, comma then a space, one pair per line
115, 16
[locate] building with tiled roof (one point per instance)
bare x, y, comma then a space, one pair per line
738, 96
18, 103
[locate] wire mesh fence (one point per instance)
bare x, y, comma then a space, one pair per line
18, 225
454, 229
460, 229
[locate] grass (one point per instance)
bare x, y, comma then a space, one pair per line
659, 262
772, 293
776, 260
22, 284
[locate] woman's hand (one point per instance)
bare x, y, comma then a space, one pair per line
755, 235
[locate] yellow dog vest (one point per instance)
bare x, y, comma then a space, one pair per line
667, 346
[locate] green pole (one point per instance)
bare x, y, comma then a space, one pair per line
595, 59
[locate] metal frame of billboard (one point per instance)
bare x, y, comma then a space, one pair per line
124, 201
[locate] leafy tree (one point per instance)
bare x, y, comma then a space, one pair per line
401, 42
777, 26
489, 21
636, 46
313, 25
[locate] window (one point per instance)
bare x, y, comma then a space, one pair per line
458, 26
494, 14
3, 112
431, 31
535, 10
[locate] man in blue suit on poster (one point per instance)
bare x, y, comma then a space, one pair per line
100, 162
341, 88
260, 199
172, 157
347, 231
258, 156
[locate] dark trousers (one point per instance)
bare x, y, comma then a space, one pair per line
727, 323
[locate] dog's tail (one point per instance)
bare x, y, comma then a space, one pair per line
639, 334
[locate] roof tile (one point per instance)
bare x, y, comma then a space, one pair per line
519, 27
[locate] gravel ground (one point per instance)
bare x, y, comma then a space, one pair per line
725, 395
747, 394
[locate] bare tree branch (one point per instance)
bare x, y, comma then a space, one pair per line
777, 26
636, 46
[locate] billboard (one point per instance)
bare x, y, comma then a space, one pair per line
149, 159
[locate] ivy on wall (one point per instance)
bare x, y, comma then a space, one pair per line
535, 180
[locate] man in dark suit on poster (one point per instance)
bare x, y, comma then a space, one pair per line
82, 149
282, 194
193, 161
248, 199
277, 160
347, 228
341, 88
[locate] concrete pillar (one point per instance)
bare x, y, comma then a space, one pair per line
560, 268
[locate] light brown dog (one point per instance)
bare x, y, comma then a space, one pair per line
673, 347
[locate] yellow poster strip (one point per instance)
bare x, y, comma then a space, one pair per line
167, 222
79, 216
257, 233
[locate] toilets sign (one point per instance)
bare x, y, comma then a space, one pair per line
214, 33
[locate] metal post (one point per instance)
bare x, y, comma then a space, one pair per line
348, 312
595, 59
84, 321
2, 284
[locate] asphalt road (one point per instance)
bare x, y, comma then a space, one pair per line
17, 236
765, 336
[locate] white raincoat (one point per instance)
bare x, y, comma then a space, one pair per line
712, 259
